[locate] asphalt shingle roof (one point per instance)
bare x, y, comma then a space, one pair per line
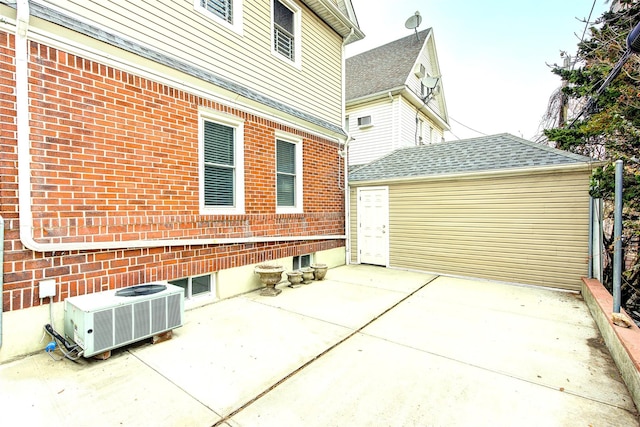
383, 68
495, 152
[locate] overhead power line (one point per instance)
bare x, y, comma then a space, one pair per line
471, 129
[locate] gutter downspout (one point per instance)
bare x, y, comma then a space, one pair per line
347, 199
24, 171
347, 204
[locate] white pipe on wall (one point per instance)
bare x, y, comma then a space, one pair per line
24, 172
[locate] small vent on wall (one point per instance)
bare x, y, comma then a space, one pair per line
420, 71
365, 122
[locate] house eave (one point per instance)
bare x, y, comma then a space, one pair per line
419, 104
329, 12
407, 94
572, 167
374, 96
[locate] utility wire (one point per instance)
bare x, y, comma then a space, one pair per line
586, 24
471, 129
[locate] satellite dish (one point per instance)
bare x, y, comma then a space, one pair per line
430, 82
413, 22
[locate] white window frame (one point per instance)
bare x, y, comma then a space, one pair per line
297, 141
297, 33
201, 298
365, 122
238, 125
236, 6
298, 260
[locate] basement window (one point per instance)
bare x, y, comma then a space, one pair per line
194, 286
301, 261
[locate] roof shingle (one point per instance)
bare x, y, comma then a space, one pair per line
495, 152
383, 68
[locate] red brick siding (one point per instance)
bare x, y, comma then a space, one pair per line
114, 157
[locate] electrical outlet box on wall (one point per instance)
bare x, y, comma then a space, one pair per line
47, 288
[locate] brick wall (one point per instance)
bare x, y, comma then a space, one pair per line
114, 157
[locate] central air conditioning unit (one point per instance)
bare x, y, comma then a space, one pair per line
106, 320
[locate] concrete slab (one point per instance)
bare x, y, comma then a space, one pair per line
342, 302
379, 277
38, 391
520, 332
228, 353
368, 381
368, 346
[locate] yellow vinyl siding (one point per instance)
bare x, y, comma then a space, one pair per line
530, 229
371, 143
177, 29
527, 229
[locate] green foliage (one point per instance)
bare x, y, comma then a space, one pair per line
609, 128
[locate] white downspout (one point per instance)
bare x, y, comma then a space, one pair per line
347, 201
24, 171
22, 120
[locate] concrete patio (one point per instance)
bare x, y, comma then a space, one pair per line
368, 346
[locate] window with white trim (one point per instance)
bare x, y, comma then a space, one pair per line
221, 165
226, 12
365, 122
288, 174
286, 30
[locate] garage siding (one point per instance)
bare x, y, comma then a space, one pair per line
526, 229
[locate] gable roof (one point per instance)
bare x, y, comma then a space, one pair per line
383, 68
488, 153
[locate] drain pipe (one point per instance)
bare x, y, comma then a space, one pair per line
1, 273
24, 172
617, 239
347, 203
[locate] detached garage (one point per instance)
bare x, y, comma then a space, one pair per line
497, 207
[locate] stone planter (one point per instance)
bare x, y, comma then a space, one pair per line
295, 278
270, 276
319, 271
307, 275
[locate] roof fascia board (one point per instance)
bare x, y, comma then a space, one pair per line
440, 94
574, 167
429, 42
419, 104
333, 16
375, 96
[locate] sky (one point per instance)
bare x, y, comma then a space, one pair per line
493, 54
